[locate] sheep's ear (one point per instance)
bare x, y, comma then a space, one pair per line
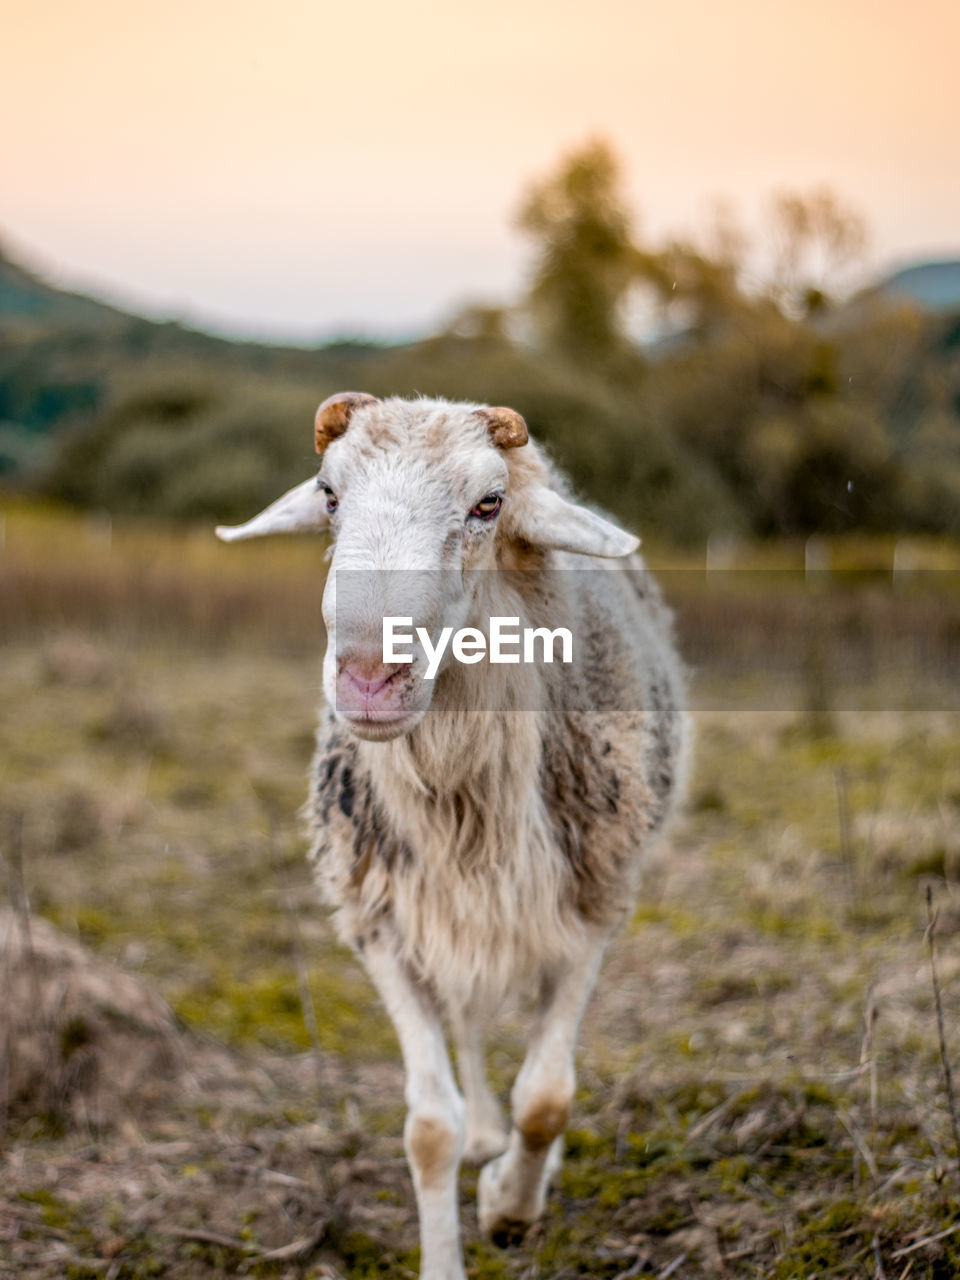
333, 416
300, 510
547, 520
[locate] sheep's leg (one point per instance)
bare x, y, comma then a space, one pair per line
486, 1129
434, 1130
513, 1188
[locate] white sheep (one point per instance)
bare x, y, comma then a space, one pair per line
481, 832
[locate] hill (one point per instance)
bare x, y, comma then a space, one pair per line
934, 285
28, 303
759, 423
64, 355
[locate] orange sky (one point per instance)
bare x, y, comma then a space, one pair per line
295, 168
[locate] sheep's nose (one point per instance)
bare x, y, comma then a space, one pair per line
367, 675
369, 679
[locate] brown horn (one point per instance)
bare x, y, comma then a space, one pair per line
333, 416
507, 428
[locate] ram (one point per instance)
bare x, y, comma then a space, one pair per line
480, 833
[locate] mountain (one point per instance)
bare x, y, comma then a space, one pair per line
28, 303
64, 355
932, 285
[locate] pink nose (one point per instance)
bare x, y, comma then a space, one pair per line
366, 689
366, 673
368, 680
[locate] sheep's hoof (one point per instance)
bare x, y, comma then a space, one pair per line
506, 1212
507, 1233
484, 1145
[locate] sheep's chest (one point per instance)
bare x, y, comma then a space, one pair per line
472, 907
476, 914
476, 883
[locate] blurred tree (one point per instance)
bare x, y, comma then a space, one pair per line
586, 260
827, 467
817, 240
478, 321
698, 290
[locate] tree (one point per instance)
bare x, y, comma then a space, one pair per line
817, 240
586, 260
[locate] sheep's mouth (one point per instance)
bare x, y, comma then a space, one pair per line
378, 729
381, 703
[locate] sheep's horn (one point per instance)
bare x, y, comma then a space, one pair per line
333, 416
507, 428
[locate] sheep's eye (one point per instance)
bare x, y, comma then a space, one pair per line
332, 500
487, 507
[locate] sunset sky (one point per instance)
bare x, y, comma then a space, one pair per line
295, 168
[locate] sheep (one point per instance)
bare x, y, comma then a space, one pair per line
482, 832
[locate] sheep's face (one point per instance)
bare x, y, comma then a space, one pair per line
416, 494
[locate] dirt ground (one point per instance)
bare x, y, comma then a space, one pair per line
761, 1082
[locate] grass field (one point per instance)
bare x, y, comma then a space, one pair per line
761, 1085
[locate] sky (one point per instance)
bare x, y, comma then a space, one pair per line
298, 169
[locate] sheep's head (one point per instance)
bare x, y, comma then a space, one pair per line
416, 494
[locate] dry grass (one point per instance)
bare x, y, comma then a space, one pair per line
762, 1085
141, 583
